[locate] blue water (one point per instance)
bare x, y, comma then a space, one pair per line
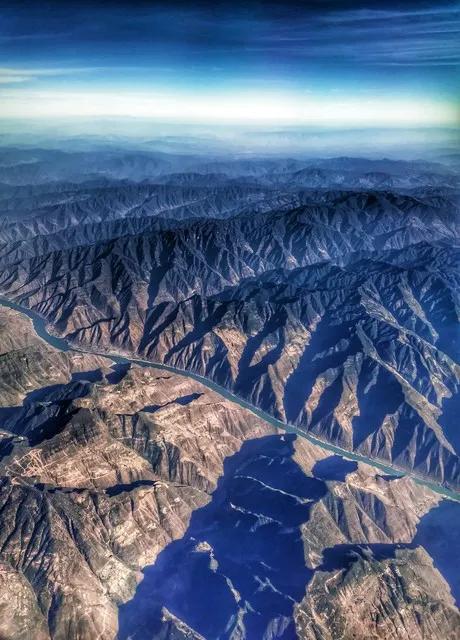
123, 363
39, 325
253, 524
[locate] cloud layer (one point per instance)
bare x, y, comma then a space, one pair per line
393, 52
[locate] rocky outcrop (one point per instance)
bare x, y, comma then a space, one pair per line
397, 598
361, 507
20, 615
335, 311
91, 496
27, 363
99, 478
139, 504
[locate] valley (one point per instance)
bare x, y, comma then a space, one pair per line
125, 467
228, 400
62, 344
229, 320
315, 307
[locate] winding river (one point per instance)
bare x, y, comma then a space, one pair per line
40, 327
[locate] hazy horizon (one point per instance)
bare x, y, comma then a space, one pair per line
332, 63
147, 135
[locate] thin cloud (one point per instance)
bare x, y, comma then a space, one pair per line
271, 107
13, 75
367, 37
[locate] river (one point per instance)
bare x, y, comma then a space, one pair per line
40, 327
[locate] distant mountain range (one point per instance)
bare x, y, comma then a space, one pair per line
30, 166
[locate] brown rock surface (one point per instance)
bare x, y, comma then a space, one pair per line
95, 484
402, 598
28, 363
89, 505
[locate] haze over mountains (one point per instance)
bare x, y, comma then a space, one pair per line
323, 291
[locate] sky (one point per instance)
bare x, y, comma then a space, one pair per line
333, 63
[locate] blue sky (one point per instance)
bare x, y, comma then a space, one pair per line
318, 62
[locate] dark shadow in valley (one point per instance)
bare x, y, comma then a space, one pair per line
242, 556
41, 486
251, 374
6, 447
342, 556
182, 400
241, 562
206, 320
118, 372
76, 388
45, 412
121, 488
334, 468
320, 354
439, 533
379, 395
95, 375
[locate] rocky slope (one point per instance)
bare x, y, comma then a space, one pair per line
105, 475
137, 503
394, 598
317, 313
96, 478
